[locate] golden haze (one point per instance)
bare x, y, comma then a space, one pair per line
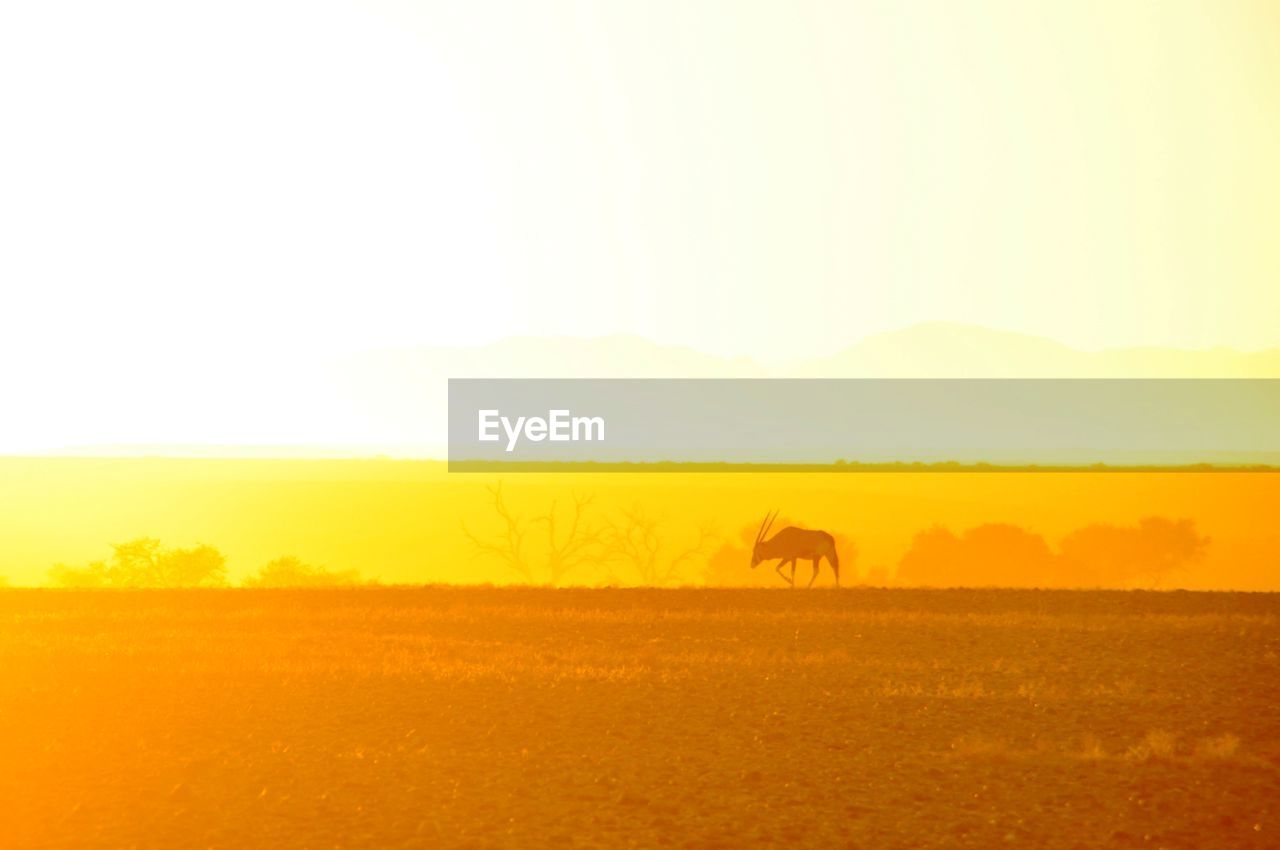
412, 522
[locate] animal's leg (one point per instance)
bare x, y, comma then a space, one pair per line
793, 572
816, 561
836, 568
781, 565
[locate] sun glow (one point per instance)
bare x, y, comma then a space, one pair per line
204, 207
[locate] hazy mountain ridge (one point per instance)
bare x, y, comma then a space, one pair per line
946, 350
932, 350
394, 401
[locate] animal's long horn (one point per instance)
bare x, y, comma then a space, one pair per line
766, 525
760, 531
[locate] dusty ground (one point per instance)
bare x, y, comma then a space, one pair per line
604, 718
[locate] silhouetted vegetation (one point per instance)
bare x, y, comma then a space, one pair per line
635, 547
145, 563
1099, 555
1146, 553
402, 520
292, 572
640, 543
549, 466
992, 554
565, 543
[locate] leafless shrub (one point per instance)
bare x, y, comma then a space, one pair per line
289, 571
639, 542
1157, 744
565, 547
1220, 747
1091, 748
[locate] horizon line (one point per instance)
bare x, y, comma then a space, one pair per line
835, 466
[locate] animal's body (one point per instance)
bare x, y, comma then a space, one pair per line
791, 544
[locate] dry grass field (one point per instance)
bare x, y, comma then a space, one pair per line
529, 718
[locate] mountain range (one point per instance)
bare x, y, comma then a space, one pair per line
403, 391
394, 401
931, 350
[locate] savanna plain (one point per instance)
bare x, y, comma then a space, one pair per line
534, 717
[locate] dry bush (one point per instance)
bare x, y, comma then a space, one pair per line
1157, 744
1220, 747
1091, 748
144, 562
289, 571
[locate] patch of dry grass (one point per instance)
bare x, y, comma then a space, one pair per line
1156, 744
1091, 748
1220, 747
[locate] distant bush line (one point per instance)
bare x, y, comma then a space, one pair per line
145, 563
683, 466
568, 544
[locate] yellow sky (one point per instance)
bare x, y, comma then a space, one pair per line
191, 193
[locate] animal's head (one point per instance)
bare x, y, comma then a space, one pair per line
756, 555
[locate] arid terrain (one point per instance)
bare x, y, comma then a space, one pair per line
528, 718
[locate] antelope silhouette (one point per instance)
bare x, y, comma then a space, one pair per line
792, 543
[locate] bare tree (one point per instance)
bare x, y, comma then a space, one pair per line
568, 552
636, 540
565, 548
508, 545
